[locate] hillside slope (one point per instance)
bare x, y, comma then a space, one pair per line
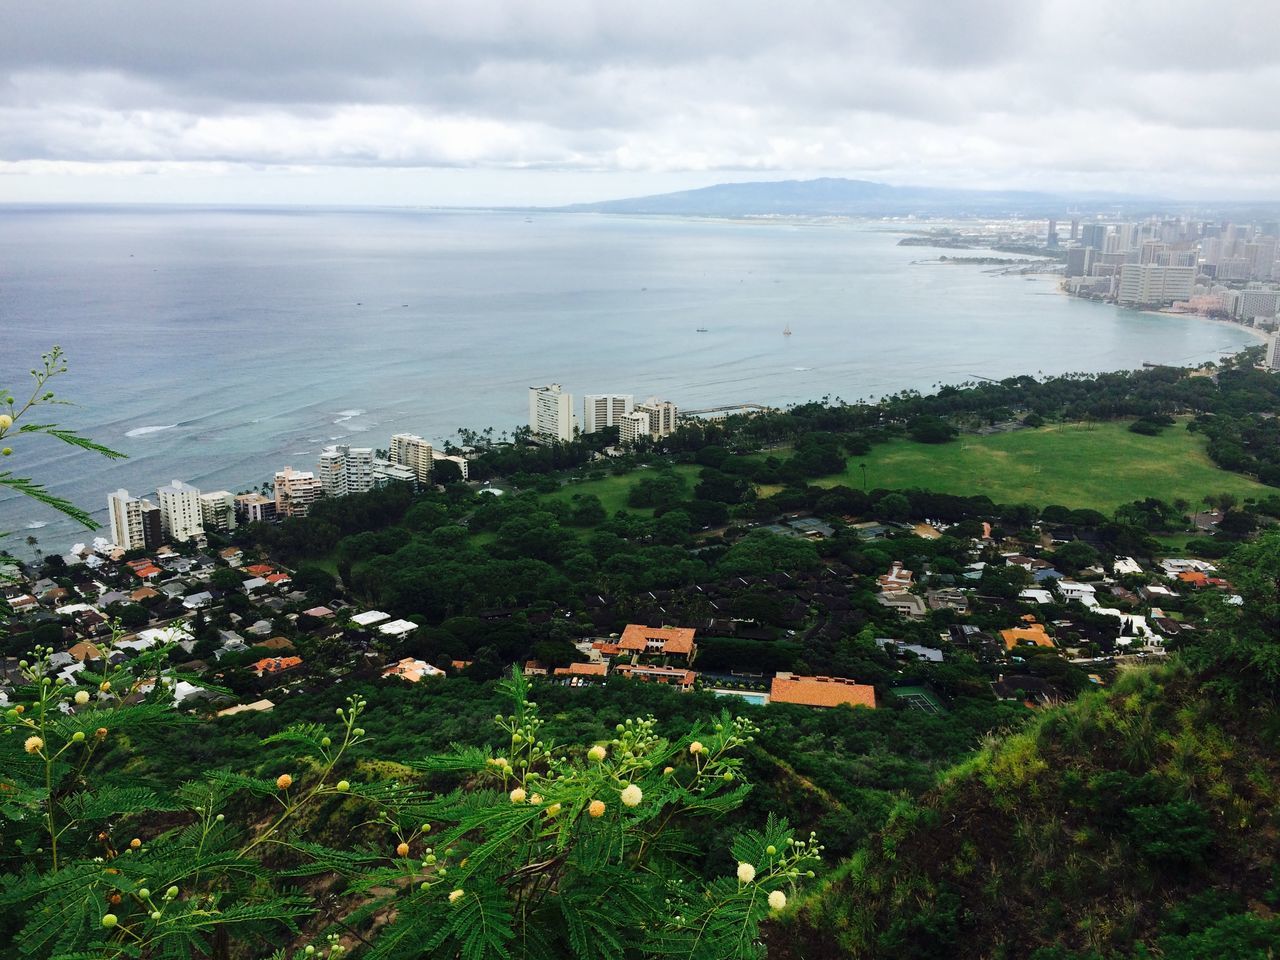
1137, 822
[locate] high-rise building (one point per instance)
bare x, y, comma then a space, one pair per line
180, 511
296, 490
343, 470
1257, 304
1051, 235
662, 416
133, 523
464, 466
600, 410
1075, 229
255, 508
632, 426
1079, 260
1148, 284
1273, 352
1094, 235
551, 413
410, 450
218, 510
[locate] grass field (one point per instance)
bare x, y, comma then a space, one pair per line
1098, 466
613, 491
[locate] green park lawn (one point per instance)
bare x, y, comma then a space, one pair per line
613, 491
1098, 466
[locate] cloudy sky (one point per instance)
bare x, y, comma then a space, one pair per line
548, 101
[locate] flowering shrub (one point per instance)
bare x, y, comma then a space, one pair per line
544, 851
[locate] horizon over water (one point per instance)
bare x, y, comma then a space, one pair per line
217, 346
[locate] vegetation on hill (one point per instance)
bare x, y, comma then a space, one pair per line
1139, 821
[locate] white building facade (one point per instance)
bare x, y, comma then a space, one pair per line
218, 510
342, 470
180, 511
410, 450
600, 410
551, 413
1146, 283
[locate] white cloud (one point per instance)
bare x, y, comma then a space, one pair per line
1154, 97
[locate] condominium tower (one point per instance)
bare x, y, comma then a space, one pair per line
345, 470
218, 510
551, 413
409, 450
296, 490
134, 524
600, 410
180, 511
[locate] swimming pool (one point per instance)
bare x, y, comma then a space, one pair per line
751, 696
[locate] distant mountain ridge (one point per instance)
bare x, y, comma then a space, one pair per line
836, 196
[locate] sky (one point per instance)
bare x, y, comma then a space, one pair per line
512, 102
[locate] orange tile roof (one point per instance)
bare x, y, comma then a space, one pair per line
276, 577
147, 571
276, 664
261, 569
606, 648
821, 691
636, 637
583, 670
1194, 577
143, 593
1034, 633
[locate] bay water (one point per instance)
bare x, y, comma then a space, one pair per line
216, 346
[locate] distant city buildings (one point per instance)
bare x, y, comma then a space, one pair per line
1273, 352
600, 410
296, 491
343, 469
411, 451
551, 413
180, 517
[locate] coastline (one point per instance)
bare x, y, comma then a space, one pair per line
1260, 335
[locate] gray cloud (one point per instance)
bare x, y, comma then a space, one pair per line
1141, 95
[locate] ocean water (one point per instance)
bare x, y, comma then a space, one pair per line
216, 346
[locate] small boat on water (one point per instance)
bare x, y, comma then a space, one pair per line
786, 331
702, 330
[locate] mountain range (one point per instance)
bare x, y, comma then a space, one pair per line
834, 196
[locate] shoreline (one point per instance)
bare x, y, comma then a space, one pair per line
1260, 335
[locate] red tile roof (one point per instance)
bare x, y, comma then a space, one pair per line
276, 664
821, 691
637, 638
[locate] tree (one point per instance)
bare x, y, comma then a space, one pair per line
225, 578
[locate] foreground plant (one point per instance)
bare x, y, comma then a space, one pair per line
539, 850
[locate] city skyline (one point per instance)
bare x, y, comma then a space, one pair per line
506, 103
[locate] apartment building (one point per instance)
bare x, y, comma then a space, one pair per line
551, 413
218, 511
1151, 284
600, 410
344, 469
255, 508
133, 523
296, 490
180, 511
410, 450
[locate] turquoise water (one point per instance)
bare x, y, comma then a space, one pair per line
760, 699
216, 346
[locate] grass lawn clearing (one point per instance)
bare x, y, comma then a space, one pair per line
613, 491
1094, 465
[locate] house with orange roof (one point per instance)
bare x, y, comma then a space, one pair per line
1194, 578
143, 593
821, 691
84, 650
658, 641
606, 648
275, 579
1033, 633
271, 665
673, 676
535, 668
147, 571
576, 674
412, 669
260, 569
